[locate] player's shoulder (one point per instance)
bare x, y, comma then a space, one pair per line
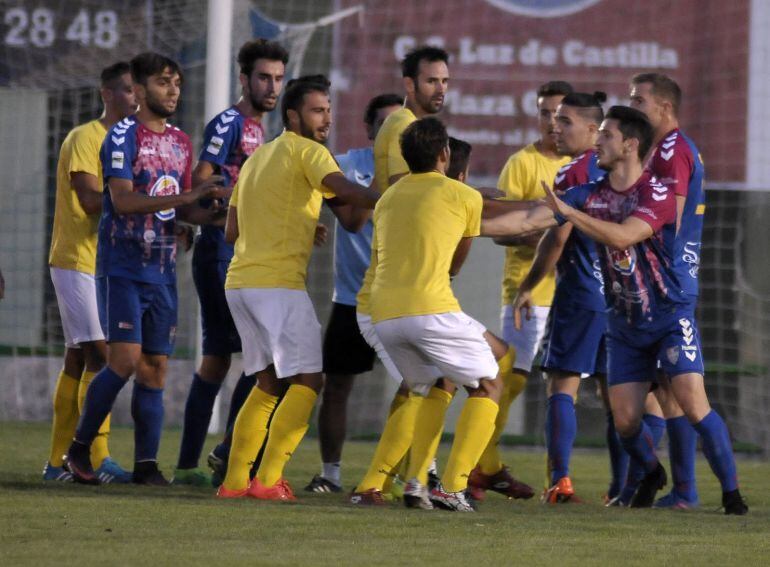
225, 121
177, 133
572, 167
675, 145
397, 121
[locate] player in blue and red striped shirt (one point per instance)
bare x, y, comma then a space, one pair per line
147, 175
676, 162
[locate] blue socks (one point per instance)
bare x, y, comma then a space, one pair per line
636, 470
100, 397
716, 447
241, 391
682, 442
147, 411
560, 431
618, 459
197, 416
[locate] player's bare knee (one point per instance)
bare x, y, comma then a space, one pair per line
488, 388
214, 368
447, 386
337, 388
74, 362
95, 354
312, 380
151, 371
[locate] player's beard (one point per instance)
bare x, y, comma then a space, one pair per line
308, 132
260, 105
154, 106
429, 104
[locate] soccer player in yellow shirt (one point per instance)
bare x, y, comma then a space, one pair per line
272, 219
425, 73
72, 262
418, 226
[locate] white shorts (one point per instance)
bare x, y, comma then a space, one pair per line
371, 338
427, 347
527, 340
277, 326
76, 295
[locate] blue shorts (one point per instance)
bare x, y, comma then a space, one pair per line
671, 344
574, 340
220, 337
138, 312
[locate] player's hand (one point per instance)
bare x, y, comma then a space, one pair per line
490, 192
321, 234
522, 302
208, 189
553, 202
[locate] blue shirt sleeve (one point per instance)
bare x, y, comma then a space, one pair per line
118, 153
575, 197
219, 138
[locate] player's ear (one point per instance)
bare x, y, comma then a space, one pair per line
409, 85
106, 94
244, 80
293, 117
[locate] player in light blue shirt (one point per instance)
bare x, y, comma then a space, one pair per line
345, 353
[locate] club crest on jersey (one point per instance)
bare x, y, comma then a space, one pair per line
165, 185
624, 261
544, 8
691, 257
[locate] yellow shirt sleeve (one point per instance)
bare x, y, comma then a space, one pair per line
396, 162
513, 180
84, 156
474, 204
317, 163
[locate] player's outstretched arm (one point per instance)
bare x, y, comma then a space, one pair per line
126, 201
351, 218
510, 218
350, 193
88, 191
619, 236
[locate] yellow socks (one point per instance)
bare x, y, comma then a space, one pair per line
473, 432
248, 435
65, 417
286, 431
427, 433
394, 443
99, 449
513, 384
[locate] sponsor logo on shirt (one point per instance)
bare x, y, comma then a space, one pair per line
691, 258
624, 261
118, 158
215, 145
165, 185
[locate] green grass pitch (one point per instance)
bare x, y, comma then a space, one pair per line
65, 524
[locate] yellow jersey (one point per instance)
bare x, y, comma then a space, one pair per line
73, 240
278, 198
388, 161
418, 224
521, 181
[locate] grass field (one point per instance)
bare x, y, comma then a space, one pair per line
63, 524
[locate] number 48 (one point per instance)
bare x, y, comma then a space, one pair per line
104, 33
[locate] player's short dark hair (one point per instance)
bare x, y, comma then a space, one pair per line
663, 86
422, 142
295, 91
378, 102
589, 104
149, 63
410, 64
633, 123
260, 49
112, 73
554, 88
460, 155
